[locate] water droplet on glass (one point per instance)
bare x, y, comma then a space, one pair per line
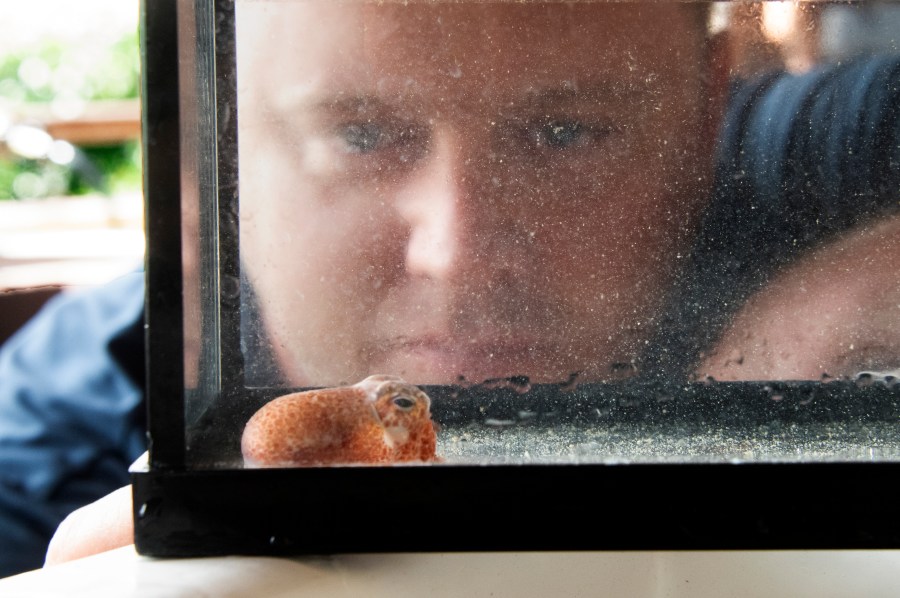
864, 379
229, 224
773, 394
735, 357
520, 384
572, 382
618, 367
230, 287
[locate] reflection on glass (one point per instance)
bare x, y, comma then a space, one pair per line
573, 193
480, 190
475, 190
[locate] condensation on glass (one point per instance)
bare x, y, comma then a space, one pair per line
631, 207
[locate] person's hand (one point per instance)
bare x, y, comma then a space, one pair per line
832, 313
100, 526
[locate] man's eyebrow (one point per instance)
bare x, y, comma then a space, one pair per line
300, 98
305, 99
595, 91
350, 103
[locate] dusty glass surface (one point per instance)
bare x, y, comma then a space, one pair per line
480, 190
626, 194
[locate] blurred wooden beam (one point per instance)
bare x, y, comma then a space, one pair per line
93, 123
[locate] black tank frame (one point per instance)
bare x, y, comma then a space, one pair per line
184, 506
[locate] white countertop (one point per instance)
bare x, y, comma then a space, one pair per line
123, 573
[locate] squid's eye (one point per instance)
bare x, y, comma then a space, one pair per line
404, 403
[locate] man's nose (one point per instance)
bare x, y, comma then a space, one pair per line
440, 205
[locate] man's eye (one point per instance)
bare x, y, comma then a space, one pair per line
362, 138
563, 133
559, 133
408, 141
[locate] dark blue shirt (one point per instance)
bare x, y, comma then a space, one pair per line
71, 414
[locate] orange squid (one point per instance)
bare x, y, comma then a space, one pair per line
380, 420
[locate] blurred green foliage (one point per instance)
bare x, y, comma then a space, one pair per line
56, 71
120, 163
20, 178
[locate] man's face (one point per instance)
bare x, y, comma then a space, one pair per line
479, 190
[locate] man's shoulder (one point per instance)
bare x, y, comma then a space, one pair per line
73, 336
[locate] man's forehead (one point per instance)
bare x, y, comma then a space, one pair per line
495, 25
467, 9
306, 43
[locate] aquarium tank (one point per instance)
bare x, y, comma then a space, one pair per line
558, 275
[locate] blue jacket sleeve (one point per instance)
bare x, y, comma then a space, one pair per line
822, 149
71, 418
801, 158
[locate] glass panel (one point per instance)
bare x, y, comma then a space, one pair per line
473, 190
561, 207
